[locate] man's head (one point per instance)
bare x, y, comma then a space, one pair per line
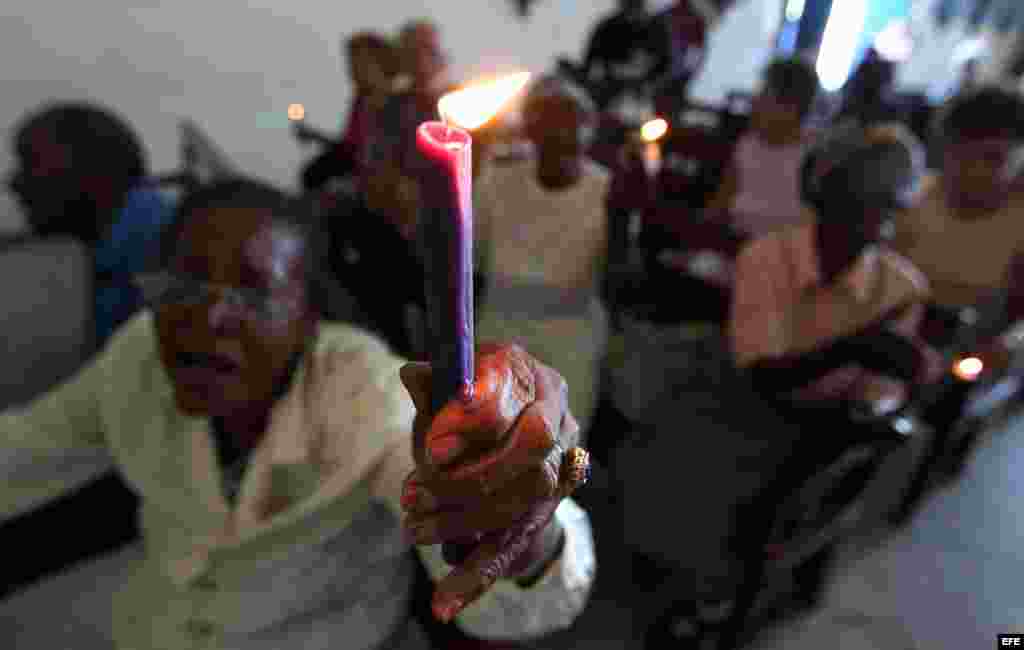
238, 299
422, 56
556, 116
980, 132
76, 162
788, 90
855, 177
373, 62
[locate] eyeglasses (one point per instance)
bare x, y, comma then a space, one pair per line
165, 288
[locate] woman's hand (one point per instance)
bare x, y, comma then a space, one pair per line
492, 470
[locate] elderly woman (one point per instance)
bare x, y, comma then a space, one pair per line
542, 238
276, 454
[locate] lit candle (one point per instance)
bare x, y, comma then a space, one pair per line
651, 133
446, 230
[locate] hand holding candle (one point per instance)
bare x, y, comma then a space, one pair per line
496, 452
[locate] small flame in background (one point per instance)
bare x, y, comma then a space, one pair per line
654, 130
296, 112
968, 369
475, 105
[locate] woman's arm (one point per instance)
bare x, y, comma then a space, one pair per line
62, 422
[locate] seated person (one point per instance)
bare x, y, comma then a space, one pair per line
276, 454
689, 23
382, 232
965, 233
826, 311
761, 191
82, 172
373, 67
542, 236
797, 291
867, 96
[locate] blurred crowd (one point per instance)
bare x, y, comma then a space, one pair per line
725, 303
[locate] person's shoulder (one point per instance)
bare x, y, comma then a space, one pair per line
902, 267
596, 173
336, 340
131, 356
501, 176
356, 366
768, 245
927, 202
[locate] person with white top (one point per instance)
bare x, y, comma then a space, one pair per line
542, 239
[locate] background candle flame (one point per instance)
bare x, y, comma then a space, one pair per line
475, 105
654, 130
968, 369
296, 112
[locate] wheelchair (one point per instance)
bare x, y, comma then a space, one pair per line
970, 398
785, 538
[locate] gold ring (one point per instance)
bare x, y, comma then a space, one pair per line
576, 468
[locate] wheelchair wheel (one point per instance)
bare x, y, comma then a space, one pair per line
960, 452
811, 579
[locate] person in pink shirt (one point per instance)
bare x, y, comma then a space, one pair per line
760, 192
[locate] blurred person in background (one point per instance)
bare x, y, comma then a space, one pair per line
803, 298
542, 241
628, 52
688, 23
760, 191
373, 68
382, 230
391, 186
83, 172
284, 470
965, 233
867, 95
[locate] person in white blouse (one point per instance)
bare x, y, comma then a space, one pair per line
542, 239
277, 455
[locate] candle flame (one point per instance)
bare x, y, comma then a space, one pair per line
296, 112
968, 369
654, 130
475, 105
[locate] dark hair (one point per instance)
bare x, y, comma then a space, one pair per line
555, 89
792, 81
292, 213
96, 138
379, 46
986, 112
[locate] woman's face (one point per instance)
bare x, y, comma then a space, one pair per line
222, 356
556, 128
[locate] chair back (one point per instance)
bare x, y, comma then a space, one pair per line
46, 323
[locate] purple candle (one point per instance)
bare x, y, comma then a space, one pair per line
446, 238
446, 231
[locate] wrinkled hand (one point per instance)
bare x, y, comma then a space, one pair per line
492, 470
